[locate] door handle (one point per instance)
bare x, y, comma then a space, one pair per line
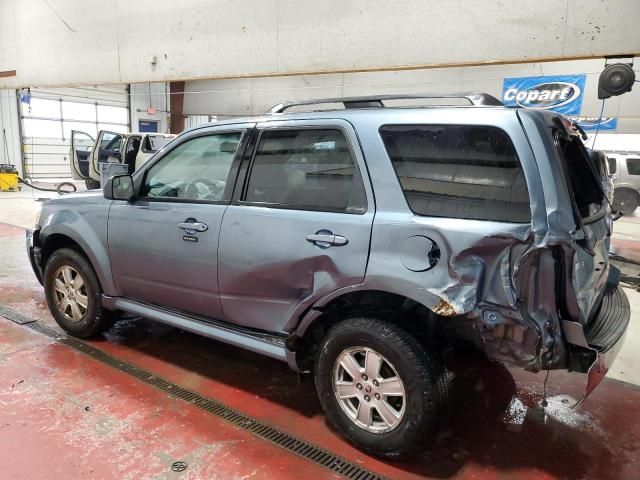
325, 240
194, 226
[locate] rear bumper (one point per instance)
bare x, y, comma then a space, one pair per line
594, 348
606, 333
34, 252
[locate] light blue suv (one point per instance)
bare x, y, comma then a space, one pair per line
354, 243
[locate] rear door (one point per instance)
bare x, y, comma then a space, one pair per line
131, 151
301, 226
108, 147
81, 147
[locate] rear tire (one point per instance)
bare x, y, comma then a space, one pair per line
74, 295
625, 201
92, 184
389, 413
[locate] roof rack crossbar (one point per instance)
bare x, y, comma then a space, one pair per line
377, 101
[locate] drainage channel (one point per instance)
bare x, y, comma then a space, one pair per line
264, 431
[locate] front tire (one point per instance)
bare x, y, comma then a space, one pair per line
379, 387
74, 295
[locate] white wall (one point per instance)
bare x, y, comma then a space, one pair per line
9, 126
145, 95
251, 96
615, 142
113, 41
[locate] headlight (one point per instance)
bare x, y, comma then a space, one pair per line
38, 214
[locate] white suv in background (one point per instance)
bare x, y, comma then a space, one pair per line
624, 168
132, 149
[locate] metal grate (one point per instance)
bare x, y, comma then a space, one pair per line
266, 432
15, 316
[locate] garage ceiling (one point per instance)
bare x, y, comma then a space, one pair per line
89, 41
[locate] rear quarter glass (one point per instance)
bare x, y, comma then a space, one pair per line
458, 171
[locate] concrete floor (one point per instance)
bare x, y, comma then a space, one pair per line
65, 415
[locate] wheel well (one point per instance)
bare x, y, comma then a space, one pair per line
418, 320
55, 242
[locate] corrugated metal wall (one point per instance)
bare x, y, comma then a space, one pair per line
251, 96
191, 121
9, 130
47, 122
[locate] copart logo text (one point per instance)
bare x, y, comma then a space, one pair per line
544, 96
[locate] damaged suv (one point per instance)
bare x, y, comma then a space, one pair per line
354, 243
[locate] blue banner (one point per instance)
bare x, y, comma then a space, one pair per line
590, 124
558, 93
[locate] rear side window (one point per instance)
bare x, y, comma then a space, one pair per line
458, 171
306, 169
153, 143
633, 166
583, 177
613, 167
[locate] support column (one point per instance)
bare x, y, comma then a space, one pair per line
177, 107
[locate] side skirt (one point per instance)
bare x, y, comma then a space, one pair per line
271, 345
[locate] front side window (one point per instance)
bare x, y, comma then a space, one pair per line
306, 169
197, 169
458, 171
633, 166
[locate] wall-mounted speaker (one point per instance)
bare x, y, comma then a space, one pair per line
615, 79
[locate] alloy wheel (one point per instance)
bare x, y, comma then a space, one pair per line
369, 390
70, 293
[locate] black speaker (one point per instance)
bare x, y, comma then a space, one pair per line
615, 80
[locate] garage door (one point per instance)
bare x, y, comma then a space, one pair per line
51, 115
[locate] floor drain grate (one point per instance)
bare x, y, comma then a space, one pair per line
293, 444
14, 316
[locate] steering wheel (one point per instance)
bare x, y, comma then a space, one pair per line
203, 189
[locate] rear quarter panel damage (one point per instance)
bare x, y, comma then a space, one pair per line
499, 276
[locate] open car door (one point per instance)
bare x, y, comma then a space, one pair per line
108, 148
82, 145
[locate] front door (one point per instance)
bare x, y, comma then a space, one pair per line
131, 150
163, 245
81, 147
301, 227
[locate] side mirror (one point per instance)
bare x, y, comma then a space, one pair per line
119, 187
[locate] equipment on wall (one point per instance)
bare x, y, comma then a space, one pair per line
8, 178
616, 79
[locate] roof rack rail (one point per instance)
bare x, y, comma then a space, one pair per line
377, 101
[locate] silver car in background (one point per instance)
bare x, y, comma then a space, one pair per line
624, 168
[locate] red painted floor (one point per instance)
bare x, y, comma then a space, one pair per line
63, 415
493, 430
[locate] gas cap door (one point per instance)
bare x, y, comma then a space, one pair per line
419, 253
